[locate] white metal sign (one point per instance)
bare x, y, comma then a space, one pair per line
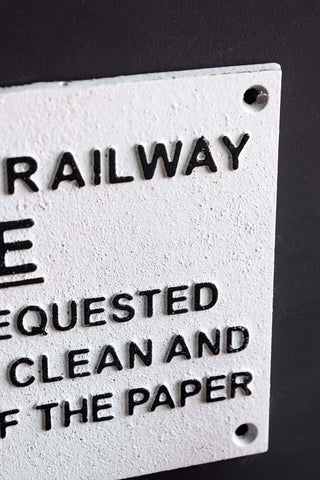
136, 271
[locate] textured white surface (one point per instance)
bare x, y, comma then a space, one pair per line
101, 240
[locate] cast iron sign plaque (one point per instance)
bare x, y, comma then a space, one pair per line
136, 271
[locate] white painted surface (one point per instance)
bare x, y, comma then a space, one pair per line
101, 240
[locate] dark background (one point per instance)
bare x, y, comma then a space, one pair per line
42, 40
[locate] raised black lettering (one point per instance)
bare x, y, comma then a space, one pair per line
247, 378
145, 358
201, 148
211, 289
72, 320
137, 396
97, 407
45, 371
46, 409
123, 307
73, 363
4, 424
160, 151
171, 300
87, 312
162, 397
149, 294
24, 176
12, 373
38, 329
96, 167
188, 388
4, 324
82, 411
12, 246
244, 339
113, 177
178, 341
235, 151
74, 176
212, 388
213, 346
115, 362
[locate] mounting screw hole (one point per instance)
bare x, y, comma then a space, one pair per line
256, 98
241, 430
245, 434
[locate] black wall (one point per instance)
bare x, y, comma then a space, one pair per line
44, 40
